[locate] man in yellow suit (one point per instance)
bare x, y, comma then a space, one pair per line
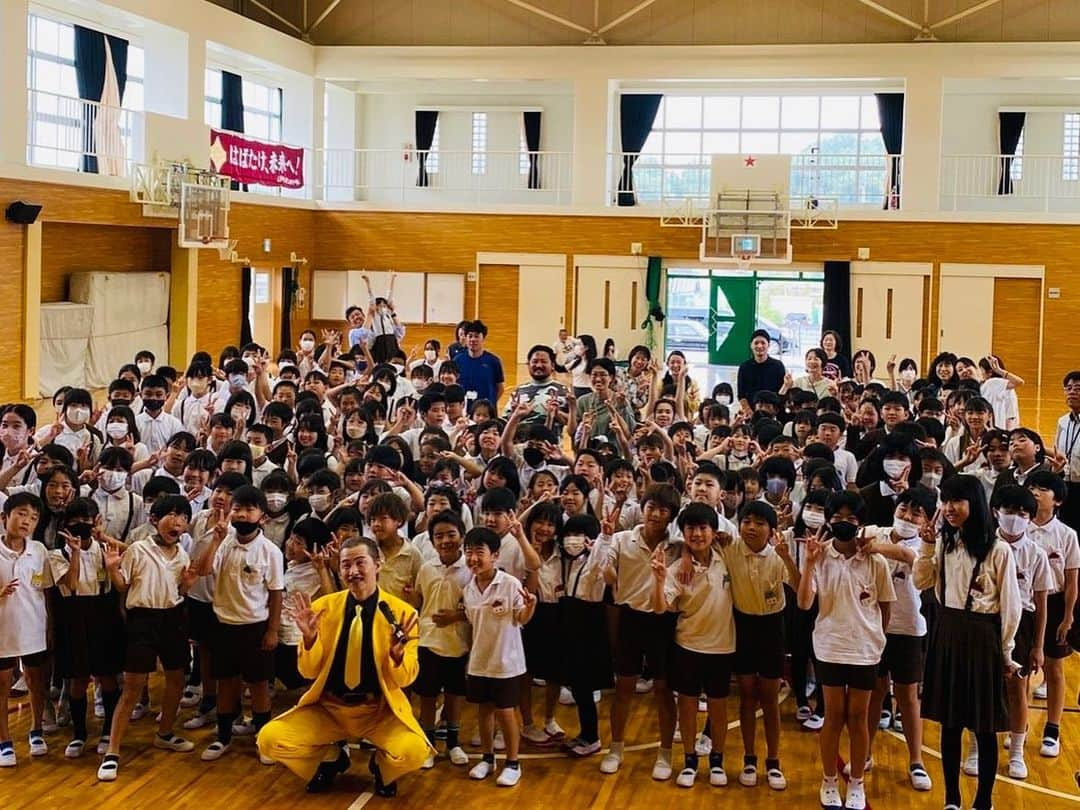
359, 663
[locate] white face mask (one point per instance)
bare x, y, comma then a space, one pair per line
319, 502
78, 416
249, 360
237, 380
144, 366
573, 545
723, 399
276, 500
398, 368
240, 413
116, 430
904, 529
908, 375
813, 518
307, 345
257, 451
1012, 525
429, 355
420, 384
112, 480
894, 467
355, 431
931, 480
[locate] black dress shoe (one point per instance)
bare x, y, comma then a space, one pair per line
383, 790
323, 779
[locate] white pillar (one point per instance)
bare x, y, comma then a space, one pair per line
13, 33
921, 176
592, 141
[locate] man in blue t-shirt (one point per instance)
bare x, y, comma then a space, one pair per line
481, 371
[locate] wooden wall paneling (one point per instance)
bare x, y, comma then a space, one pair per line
12, 246
69, 247
1016, 336
499, 304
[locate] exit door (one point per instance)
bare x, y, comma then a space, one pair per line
731, 319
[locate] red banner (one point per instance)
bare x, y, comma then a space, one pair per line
249, 161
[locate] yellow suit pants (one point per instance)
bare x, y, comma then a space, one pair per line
305, 737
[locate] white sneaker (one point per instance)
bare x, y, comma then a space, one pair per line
830, 793
139, 712
1040, 691
7, 757
610, 763
191, 698
500, 741
815, 723
748, 776
585, 749
75, 749
429, 763
534, 734
920, 779
107, 770
509, 777
776, 779
539, 682
717, 777
702, 705
565, 697
1051, 747
174, 743
971, 763
856, 795
802, 714
103, 745
703, 745
216, 750
38, 746
553, 730
686, 777
884, 720
1018, 768
199, 720
458, 756
481, 770
243, 727
643, 685
811, 687
661, 769
48, 718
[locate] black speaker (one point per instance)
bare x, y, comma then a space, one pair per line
22, 213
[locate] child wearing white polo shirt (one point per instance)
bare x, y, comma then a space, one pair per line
445, 633
249, 581
24, 576
854, 591
703, 655
1013, 508
496, 605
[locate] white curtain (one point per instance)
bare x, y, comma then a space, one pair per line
110, 146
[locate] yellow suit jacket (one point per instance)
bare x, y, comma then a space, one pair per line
315, 663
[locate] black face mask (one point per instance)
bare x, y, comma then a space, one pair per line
153, 405
116, 403
843, 531
245, 527
81, 530
533, 456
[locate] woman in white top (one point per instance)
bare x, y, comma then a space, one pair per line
578, 364
970, 650
814, 379
999, 389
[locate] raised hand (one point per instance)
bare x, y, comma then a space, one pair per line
658, 563
307, 620
9, 589
928, 533
221, 525
73, 543
780, 543
397, 648
891, 365
815, 547
111, 555
610, 523
863, 544
318, 559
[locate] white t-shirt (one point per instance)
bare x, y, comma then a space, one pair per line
905, 619
300, 577
442, 587
631, 558
245, 574
93, 578
1003, 401
706, 622
847, 466
23, 615
497, 649
155, 433
1062, 551
153, 577
1032, 570
848, 628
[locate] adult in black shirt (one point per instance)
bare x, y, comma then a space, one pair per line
760, 372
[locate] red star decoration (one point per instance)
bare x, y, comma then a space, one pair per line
750, 161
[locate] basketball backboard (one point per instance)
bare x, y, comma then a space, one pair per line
770, 173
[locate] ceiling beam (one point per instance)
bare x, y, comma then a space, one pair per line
549, 16
276, 16
967, 12
888, 12
644, 4
323, 16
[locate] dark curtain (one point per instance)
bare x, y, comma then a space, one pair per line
245, 306
119, 49
532, 141
1010, 127
425, 136
891, 115
90, 78
636, 115
287, 284
836, 302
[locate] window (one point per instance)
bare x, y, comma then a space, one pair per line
432, 164
1016, 168
262, 107
479, 143
836, 141
1070, 165
56, 120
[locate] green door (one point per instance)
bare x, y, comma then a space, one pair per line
731, 319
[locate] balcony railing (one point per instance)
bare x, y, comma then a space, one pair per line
1032, 183
452, 177
852, 181
83, 136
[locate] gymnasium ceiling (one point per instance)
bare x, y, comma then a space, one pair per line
662, 22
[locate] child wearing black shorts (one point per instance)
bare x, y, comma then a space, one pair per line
89, 629
152, 575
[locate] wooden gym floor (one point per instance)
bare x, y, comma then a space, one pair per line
161, 780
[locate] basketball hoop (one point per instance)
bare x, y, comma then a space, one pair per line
743, 260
